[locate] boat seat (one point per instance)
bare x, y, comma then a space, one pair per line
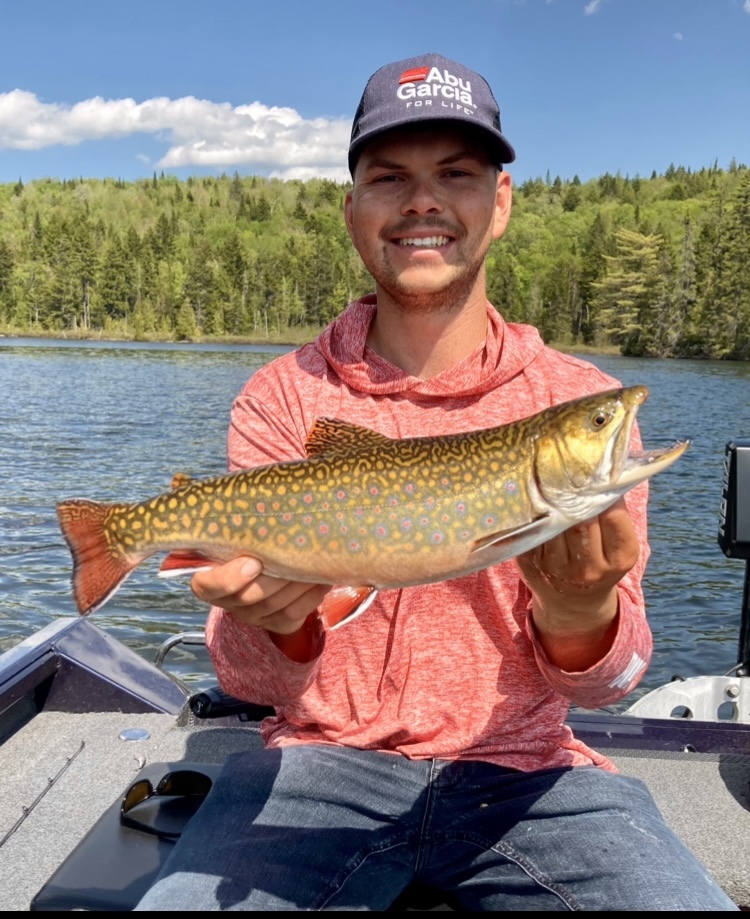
113, 866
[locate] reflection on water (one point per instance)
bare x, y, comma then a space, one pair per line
107, 420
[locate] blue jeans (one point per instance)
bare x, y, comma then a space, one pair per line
322, 827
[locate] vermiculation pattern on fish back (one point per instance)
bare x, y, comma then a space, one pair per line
386, 511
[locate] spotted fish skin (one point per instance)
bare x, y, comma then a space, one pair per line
364, 509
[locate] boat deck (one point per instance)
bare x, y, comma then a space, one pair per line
698, 793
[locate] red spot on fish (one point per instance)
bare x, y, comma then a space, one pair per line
409, 487
308, 499
437, 537
323, 529
354, 546
341, 494
374, 490
307, 520
301, 540
286, 517
406, 524
260, 507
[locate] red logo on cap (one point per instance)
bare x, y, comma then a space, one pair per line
414, 75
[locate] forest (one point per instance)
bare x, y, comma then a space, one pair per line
655, 266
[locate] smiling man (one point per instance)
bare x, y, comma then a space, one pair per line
426, 739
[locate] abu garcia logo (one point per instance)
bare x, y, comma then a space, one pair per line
429, 85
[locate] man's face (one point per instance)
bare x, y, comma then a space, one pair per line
423, 211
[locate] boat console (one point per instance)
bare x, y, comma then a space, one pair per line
718, 698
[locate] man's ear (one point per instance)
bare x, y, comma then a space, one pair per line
503, 204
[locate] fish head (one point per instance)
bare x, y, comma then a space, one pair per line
583, 461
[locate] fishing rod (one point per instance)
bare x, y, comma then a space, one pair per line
50, 783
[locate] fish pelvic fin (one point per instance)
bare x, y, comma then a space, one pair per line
184, 561
342, 605
516, 539
329, 435
98, 567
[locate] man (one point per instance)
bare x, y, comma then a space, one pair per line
426, 739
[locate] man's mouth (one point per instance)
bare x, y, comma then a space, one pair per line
424, 242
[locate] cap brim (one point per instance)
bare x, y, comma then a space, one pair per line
498, 147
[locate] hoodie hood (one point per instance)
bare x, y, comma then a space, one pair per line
507, 350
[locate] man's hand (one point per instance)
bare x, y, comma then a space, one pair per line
573, 580
281, 607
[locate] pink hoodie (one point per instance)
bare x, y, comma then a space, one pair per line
443, 670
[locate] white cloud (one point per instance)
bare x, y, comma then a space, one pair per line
678, 36
198, 132
593, 7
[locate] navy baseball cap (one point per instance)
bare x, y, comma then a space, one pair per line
423, 89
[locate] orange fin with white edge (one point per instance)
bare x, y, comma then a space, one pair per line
184, 561
344, 604
98, 569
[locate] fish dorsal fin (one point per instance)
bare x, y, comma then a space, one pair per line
180, 480
329, 435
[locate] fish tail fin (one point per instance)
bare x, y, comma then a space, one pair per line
98, 568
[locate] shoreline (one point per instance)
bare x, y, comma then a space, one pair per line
286, 340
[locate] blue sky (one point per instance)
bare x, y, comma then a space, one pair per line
104, 88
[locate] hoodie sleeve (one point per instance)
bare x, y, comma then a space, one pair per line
264, 428
621, 669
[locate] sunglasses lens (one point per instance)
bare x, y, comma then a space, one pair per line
184, 782
137, 793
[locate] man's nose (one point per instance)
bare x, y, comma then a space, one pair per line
421, 197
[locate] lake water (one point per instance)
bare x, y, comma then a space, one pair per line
112, 421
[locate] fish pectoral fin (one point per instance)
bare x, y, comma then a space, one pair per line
344, 604
180, 480
514, 534
329, 435
184, 561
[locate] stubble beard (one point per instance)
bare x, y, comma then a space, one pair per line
451, 297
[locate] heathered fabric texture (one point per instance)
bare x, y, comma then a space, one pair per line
443, 670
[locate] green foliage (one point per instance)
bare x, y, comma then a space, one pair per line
655, 266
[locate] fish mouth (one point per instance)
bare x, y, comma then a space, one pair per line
642, 464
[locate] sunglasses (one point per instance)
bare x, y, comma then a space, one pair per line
165, 810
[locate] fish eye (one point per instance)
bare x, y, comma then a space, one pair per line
600, 418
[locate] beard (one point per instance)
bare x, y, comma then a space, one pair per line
449, 297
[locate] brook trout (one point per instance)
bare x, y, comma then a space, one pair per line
364, 511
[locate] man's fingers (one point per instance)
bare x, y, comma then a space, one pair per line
225, 580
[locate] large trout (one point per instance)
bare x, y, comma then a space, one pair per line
365, 511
